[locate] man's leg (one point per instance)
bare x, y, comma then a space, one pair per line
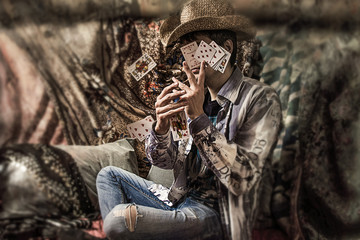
131, 211
190, 220
116, 186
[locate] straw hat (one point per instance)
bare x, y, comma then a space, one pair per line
198, 15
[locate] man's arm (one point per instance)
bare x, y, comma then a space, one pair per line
159, 148
239, 163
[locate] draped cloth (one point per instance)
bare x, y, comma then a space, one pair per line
87, 96
64, 80
35, 176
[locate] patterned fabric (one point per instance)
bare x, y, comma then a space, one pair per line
236, 150
68, 83
203, 188
53, 90
316, 76
87, 96
332, 15
34, 176
281, 70
25, 117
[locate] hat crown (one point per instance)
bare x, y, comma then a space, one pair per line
205, 8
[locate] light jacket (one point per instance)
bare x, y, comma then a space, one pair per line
236, 150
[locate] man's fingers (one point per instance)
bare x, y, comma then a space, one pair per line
167, 90
168, 98
170, 107
171, 113
181, 85
189, 74
201, 78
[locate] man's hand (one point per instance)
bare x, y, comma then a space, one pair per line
166, 107
194, 94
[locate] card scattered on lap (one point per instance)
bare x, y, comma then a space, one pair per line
141, 128
161, 193
142, 66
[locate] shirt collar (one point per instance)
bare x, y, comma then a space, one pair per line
231, 88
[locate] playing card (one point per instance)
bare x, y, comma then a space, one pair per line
204, 52
149, 119
131, 130
189, 52
219, 53
142, 66
141, 128
179, 127
221, 65
145, 128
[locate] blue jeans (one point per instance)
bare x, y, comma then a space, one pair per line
118, 190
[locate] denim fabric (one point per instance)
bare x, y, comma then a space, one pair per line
118, 189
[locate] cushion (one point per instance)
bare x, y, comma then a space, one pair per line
91, 159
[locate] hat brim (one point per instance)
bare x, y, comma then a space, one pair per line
172, 29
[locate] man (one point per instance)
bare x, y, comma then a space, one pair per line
218, 171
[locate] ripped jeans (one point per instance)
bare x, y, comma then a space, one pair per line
131, 211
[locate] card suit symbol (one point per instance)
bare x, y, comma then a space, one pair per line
214, 56
142, 125
201, 51
139, 134
207, 55
198, 56
135, 129
146, 130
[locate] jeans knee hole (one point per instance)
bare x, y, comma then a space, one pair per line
129, 214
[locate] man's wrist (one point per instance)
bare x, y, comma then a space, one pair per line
159, 131
194, 116
199, 123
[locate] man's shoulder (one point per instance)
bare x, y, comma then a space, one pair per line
255, 82
242, 89
257, 85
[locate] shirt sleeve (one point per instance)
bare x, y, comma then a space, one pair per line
161, 150
239, 163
